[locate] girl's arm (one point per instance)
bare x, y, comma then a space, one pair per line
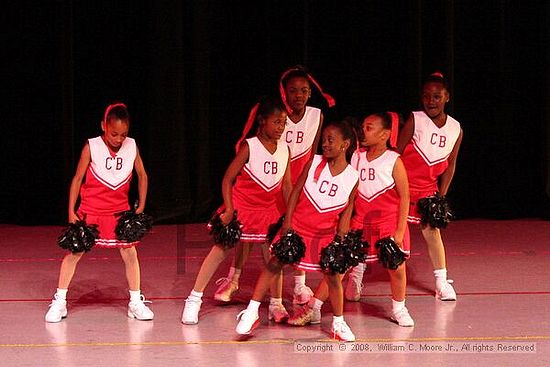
287, 182
447, 176
405, 134
142, 182
345, 216
229, 179
74, 190
402, 187
294, 195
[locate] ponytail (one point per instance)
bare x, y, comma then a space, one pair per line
123, 114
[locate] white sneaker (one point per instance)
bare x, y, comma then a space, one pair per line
341, 331
248, 320
138, 310
225, 290
445, 292
302, 294
57, 310
402, 318
278, 313
305, 315
191, 310
354, 287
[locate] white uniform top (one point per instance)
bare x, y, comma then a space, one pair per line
300, 136
376, 176
266, 169
434, 144
112, 169
329, 193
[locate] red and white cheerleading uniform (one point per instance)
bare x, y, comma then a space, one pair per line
105, 190
426, 157
257, 189
300, 137
317, 212
376, 208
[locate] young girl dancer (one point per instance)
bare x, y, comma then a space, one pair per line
107, 163
429, 144
382, 202
251, 186
319, 207
302, 134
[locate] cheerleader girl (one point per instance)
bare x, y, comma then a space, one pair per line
106, 162
251, 186
302, 134
319, 207
382, 203
429, 144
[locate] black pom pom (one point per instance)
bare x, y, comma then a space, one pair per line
78, 237
435, 211
273, 229
355, 247
342, 254
227, 236
390, 254
290, 248
333, 258
131, 227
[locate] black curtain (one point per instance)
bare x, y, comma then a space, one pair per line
190, 71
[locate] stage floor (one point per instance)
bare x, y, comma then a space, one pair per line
501, 271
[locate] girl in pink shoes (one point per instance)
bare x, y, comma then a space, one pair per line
319, 207
251, 186
382, 202
107, 163
429, 144
302, 134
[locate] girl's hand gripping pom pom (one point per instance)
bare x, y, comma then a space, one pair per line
390, 254
355, 247
333, 257
78, 237
290, 248
226, 235
435, 211
131, 227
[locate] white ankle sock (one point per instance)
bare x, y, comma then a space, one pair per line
337, 319
254, 306
135, 296
397, 306
315, 303
195, 295
440, 276
359, 270
275, 301
299, 280
61, 293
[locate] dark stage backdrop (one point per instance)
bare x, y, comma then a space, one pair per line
190, 71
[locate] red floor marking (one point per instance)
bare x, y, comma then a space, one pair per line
101, 300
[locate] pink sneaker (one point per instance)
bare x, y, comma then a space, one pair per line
302, 294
